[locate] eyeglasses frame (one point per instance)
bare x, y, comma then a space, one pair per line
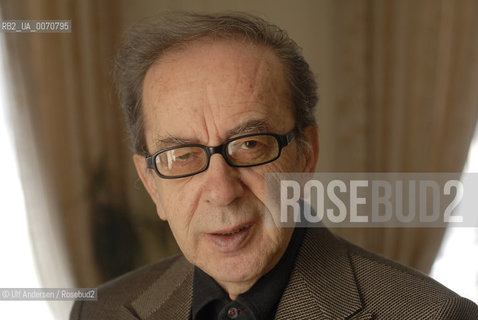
283, 140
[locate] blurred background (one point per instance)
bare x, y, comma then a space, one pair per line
398, 93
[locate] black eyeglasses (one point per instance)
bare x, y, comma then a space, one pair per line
245, 151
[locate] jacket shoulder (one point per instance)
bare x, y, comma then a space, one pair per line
398, 292
115, 296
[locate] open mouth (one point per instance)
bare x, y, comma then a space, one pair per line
233, 232
232, 239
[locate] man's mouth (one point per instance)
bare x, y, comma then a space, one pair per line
232, 239
233, 232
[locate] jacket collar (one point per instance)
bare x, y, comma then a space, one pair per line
322, 282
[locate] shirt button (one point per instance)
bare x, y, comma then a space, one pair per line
232, 313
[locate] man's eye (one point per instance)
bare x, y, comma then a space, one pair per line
184, 156
249, 144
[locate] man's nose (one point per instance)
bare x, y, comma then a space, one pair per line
223, 184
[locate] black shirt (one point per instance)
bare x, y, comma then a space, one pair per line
210, 301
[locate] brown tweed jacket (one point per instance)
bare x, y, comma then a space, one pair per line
331, 279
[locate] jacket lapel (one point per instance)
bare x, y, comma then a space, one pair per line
322, 284
169, 297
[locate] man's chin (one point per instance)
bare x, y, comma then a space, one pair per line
237, 282
234, 270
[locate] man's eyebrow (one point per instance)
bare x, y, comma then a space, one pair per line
162, 143
246, 127
249, 126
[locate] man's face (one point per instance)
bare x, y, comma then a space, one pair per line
206, 93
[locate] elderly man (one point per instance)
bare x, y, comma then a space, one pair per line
213, 102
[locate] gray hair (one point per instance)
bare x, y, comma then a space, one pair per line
148, 40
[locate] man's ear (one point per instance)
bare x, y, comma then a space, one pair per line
148, 178
312, 153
